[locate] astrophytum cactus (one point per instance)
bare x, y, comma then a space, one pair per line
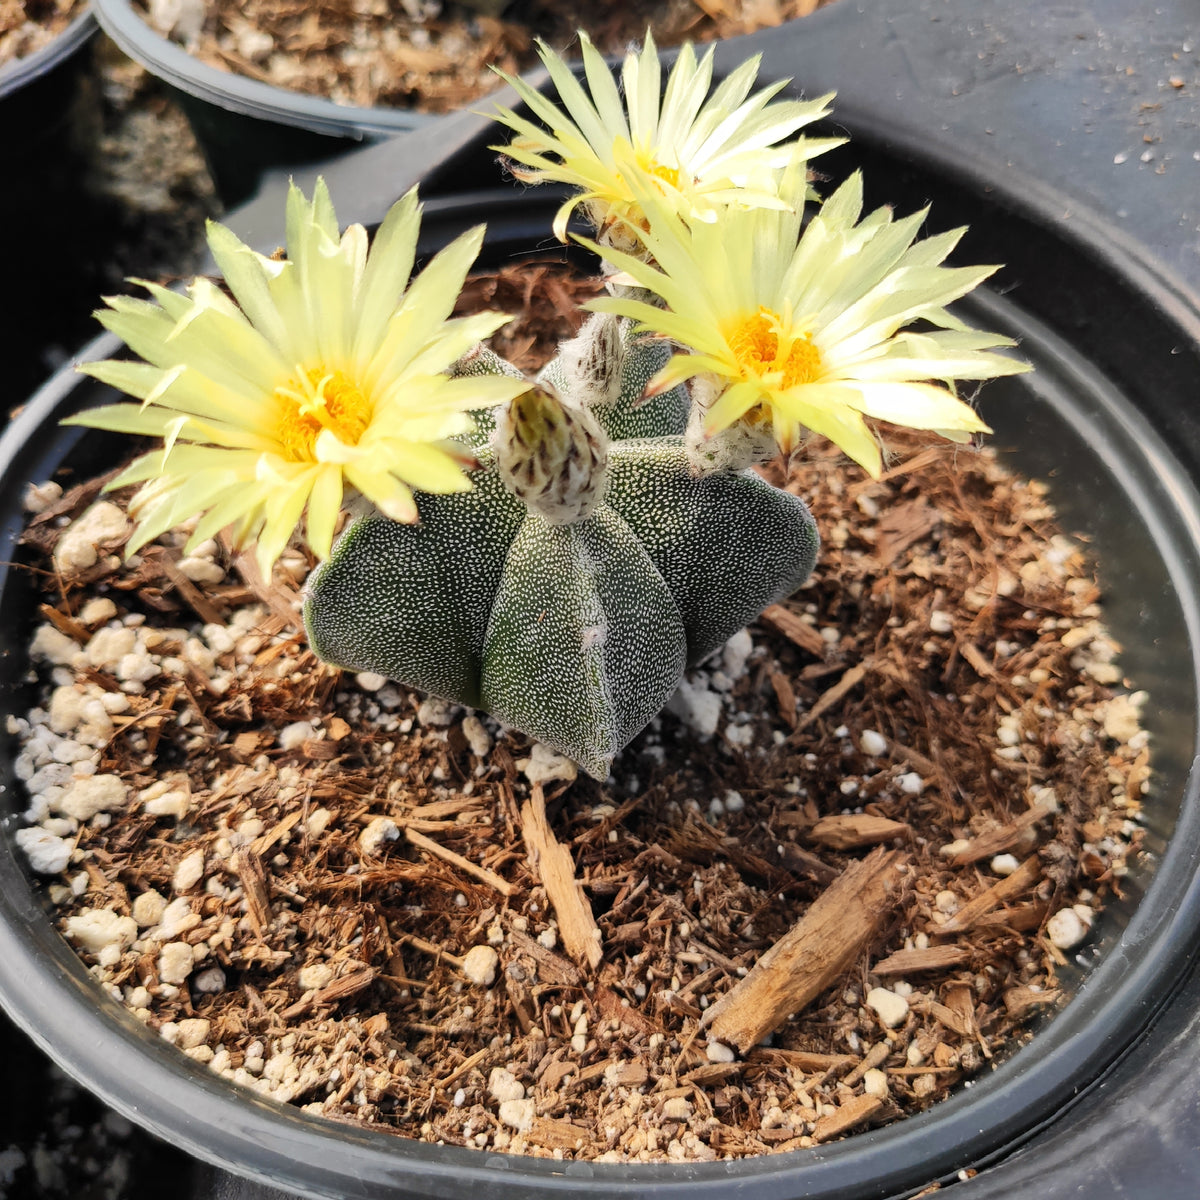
587, 567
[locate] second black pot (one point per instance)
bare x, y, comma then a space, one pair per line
245, 126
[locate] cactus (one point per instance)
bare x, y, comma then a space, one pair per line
558, 561
574, 625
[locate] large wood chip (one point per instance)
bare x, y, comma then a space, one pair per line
1020, 1001
802, 1060
551, 862
824, 943
854, 1112
1026, 876
795, 629
1003, 838
933, 958
849, 831
557, 1135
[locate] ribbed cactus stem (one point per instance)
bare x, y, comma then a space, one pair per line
588, 566
552, 455
482, 360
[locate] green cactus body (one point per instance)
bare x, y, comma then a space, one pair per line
575, 633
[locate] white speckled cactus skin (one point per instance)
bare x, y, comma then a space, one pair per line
574, 633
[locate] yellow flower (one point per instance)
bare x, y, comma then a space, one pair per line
326, 372
811, 330
701, 152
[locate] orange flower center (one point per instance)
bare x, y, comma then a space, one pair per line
666, 174
329, 401
760, 351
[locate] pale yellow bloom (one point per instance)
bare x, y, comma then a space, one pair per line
813, 329
325, 370
700, 151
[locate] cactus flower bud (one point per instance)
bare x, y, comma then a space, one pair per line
552, 454
743, 444
593, 361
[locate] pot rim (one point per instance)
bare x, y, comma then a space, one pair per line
21, 71
239, 94
282, 1146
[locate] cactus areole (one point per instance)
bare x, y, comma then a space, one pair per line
590, 564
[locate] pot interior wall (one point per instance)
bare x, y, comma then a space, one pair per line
1114, 481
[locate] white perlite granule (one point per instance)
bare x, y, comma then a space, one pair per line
378, 830
889, 1007
545, 766
47, 854
95, 929
480, 964
696, 707
76, 549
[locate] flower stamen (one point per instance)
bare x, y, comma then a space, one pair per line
760, 351
330, 401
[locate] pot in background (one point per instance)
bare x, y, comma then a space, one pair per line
243, 125
44, 161
36, 93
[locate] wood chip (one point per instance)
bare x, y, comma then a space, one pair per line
196, 599
933, 958
785, 697
551, 862
801, 1060
1026, 876
856, 1111
421, 842
247, 865
849, 831
557, 1135
824, 943
834, 695
1020, 1001
795, 629
65, 624
468, 1064
1003, 838
876, 1056
901, 525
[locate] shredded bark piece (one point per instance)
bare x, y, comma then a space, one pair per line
1026, 876
843, 921
551, 863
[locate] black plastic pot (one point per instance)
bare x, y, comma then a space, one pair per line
36, 93
1110, 317
243, 125
43, 163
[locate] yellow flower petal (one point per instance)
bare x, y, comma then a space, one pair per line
696, 147
325, 370
806, 326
